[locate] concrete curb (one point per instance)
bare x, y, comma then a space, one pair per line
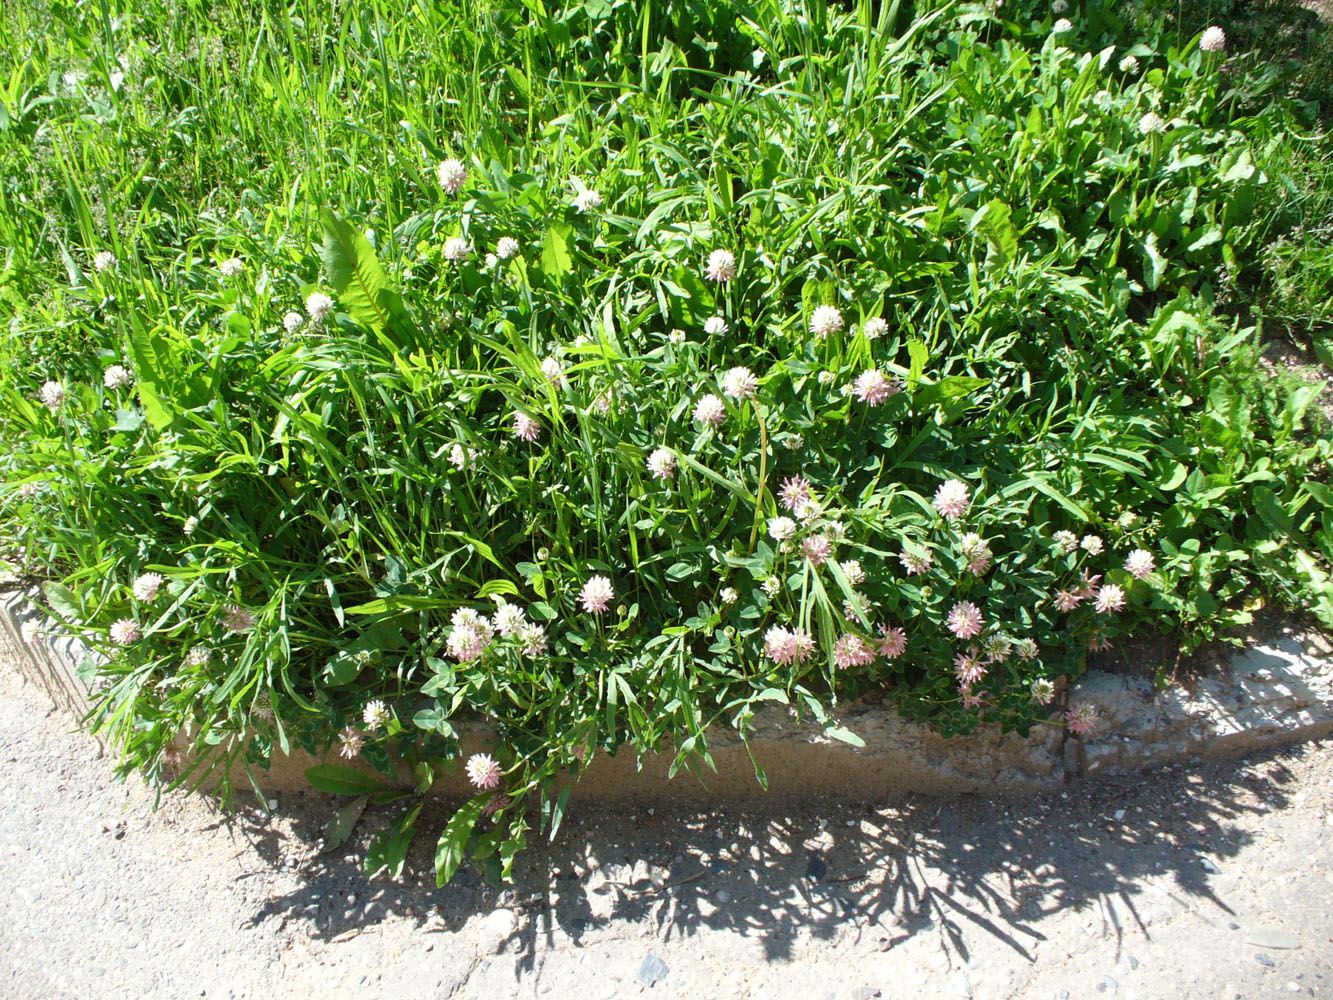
1268, 695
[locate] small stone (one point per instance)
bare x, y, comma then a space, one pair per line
1107, 985
1271, 937
1119, 814
722, 896
652, 971
1233, 925
1133, 962
1264, 960
499, 924
1209, 867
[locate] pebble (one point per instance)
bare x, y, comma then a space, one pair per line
652, 970
1209, 867
1107, 985
1119, 814
1264, 960
722, 896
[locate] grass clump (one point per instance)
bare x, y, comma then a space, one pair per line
608, 372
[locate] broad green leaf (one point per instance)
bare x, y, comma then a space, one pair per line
341, 823
63, 601
995, 221
556, 261
356, 275
340, 780
388, 851
845, 736
453, 841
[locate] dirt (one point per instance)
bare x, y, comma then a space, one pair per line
1205, 881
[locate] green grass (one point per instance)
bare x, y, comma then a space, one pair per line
1069, 309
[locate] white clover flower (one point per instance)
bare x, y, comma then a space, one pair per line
190, 524
509, 619
729, 595
1043, 691
739, 383
1213, 39
198, 657
781, 528
1059, 6
125, 631
376, 714
1062, 26
456, 249
853, 571
554, 373
460, 458
825, 320
532, 640
292, 321
721, 266
710, 410
318, 306
491, 262
117, 377
104, 260
1152, 122
875, 327
1129, 65
662, 463
676, 337
231, 267
452, 174
715, 325
587, 200
506, 247
1092, 545
146, 586
52, 394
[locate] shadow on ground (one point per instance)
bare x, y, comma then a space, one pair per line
964, 869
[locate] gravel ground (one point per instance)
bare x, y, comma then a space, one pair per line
1208, 881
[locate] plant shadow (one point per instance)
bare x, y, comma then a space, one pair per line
967, 870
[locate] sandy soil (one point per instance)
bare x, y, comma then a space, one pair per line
1206, 881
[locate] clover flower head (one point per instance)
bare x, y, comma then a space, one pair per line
1081, 719
715, 326
728, 595
710, 410
853, 571
318, 307
1110, 599
1214, 39
721, 265
965, 620
1067, 540
1129, 65
1092, 545
916, 564
875, 327
892, 642
483, 771
1139, 563
795, 491
452, 174
662, 463
739, 383
104, 260
117, 377
146, 586
531, 639
825, 320
784, 645
237, 619
781, 528
554, 372
873, 387
1062, 26
350, 742
125, 631
231, 267
1152, 122
506, 247
952, 499
968, 667
587, 200
52, 394
456, 248
596, 595
509, 619
852, 651
292, 321
1043, 691
376, 714
817, 549
525, 428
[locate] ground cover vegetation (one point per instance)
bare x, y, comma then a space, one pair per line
608, 371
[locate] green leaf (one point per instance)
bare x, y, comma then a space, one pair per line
845, 735
1154, 264
453, 841
340, 824
952, 387
355, 274
388, 851
556, 260
995, 221
344, 780
63, 601
492, 587
919, 355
